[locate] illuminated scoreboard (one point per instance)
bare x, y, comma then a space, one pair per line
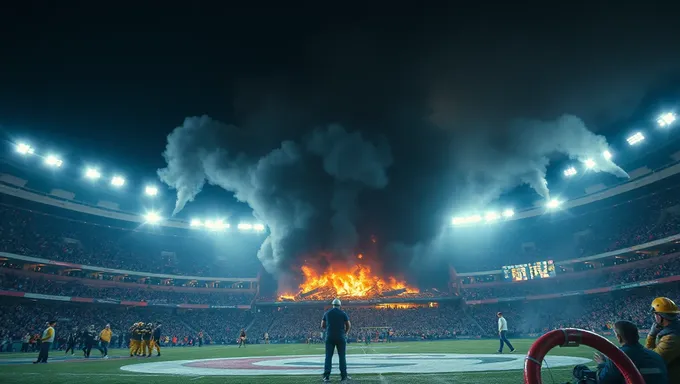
537, 270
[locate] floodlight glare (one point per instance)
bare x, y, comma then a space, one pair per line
152, 217
53, 161
216, 225
24, 149
491, 216
589, 163
196, 223
150, 190
666, 119
554, 203
245, 226
92, 173
571, 171
607, 155
259, 227
508, 213
635, 139
117, 181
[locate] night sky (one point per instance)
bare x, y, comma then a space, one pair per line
110, 83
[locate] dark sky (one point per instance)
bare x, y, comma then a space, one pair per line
110, 82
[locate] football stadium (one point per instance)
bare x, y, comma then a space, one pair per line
130, 299
242, 193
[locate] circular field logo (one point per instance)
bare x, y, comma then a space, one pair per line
377, 363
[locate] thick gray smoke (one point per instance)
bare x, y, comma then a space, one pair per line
305, 192
489, 161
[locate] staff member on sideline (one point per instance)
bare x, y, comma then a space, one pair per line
502, 332
104, 340
47, 340
336, 324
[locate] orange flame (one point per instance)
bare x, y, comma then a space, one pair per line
357, 281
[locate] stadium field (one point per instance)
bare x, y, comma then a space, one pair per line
445, 356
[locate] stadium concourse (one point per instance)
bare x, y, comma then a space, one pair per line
82, 269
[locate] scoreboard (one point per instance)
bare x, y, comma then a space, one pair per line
537, 270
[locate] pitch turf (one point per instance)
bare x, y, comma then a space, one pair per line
109, 372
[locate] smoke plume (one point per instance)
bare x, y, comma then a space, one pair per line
305, 192
490, 160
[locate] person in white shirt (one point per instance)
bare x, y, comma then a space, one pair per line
46, 342
502, 331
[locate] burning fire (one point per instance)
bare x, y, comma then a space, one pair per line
357, 281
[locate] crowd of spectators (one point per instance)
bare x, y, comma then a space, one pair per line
637, 217
576, 281
9, 281
38, 234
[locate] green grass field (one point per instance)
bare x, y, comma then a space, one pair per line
109, 372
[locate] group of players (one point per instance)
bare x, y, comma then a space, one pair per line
144, 338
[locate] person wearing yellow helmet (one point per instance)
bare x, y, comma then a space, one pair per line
664, 336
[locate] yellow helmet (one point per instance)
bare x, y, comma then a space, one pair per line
664, 305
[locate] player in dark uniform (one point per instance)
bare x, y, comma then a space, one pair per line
242, 338
156, 340
90, 338
336, 324
71, 341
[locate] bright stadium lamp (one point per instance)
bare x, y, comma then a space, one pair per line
259, 227
553, 203
635, 138
491, 216
457, 220
196, 223
508, 213
117, 181
245, 226
24, 149
92, 173
53, 161
666, 119
153, 217
607, 155
569, 172
590, 163
151, 190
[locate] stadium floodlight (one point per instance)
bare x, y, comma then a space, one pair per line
590, 163
24, 149
460, 220
151, 190
245, 226
152, 217
491, 216
508, 213
92, 173
53, 161
259, 227
635, 138
607, 155
553, 203
216, 225
666, 119
117, 181
571, 171
196, 223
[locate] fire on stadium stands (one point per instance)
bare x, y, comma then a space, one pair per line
357, 281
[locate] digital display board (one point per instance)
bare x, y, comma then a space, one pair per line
537, 270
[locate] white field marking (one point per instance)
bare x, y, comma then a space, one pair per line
196, 378
357, 364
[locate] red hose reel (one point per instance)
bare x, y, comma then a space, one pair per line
570, 337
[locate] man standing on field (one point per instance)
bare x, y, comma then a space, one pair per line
502, 332
336, 324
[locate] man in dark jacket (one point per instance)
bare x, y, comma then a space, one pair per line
336, 324
649, 363
90, 339
71, 341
